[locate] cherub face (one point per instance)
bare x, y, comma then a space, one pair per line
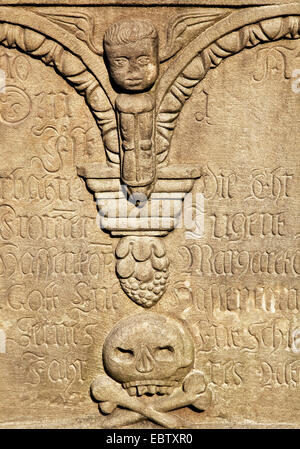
134, 66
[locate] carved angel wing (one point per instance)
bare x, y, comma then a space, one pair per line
86, 82
78, 22
229, 35
183, 28
107, 123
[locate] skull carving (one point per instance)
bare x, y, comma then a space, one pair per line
148, 354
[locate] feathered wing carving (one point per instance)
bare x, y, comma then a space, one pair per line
81, 24
182, 76
70, 67
181, 30
205, 51
184, 27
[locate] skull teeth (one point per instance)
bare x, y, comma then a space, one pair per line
152, 389
163, 390
142, 388
131, 391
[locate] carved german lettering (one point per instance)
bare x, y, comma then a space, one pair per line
149, 214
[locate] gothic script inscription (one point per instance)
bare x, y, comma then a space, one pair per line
150, 214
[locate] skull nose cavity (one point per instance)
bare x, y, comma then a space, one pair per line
144, 360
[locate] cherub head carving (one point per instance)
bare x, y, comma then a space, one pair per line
131, 49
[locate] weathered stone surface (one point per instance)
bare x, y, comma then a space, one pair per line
149, 214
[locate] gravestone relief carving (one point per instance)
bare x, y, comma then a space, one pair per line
149, 214
151, 356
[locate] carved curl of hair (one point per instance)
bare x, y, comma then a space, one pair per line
129, 31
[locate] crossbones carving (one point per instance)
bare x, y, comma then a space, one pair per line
149, 359
110, 395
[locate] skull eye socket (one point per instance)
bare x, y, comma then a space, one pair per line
125, 354
164, 353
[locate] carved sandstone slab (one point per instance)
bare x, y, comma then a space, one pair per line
149, 214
